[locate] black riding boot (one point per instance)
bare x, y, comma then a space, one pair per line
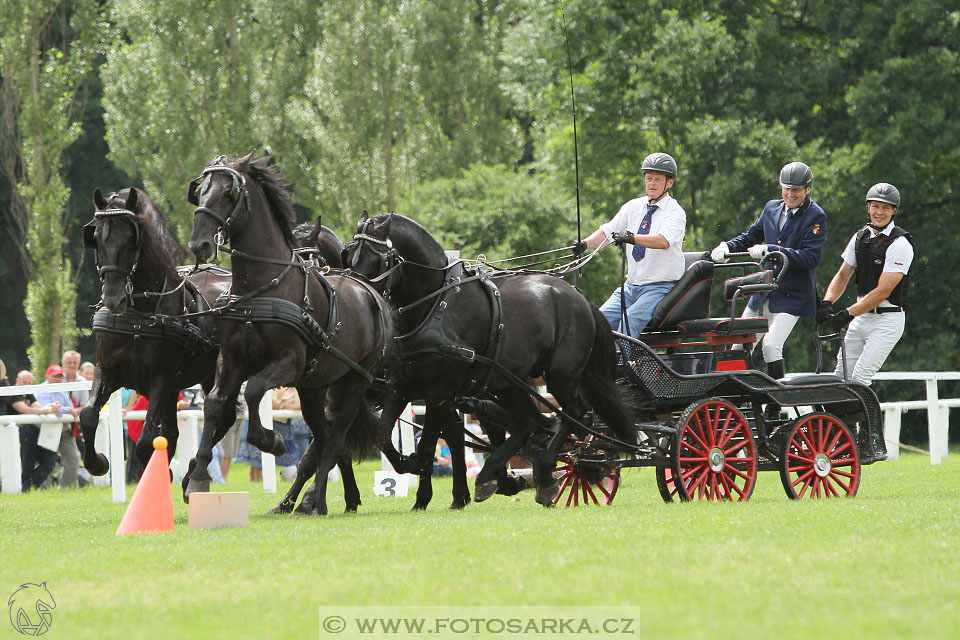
775, 371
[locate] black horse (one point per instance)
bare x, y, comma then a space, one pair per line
465, 334
322, 244
284, 324
141, 343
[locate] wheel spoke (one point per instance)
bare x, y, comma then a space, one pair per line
587, 491
828, 488
687, 445
740, 445
833, 440
835, 455
802, 432
795, 456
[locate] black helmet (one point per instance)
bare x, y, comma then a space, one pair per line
661, 162
884, 192
796, 175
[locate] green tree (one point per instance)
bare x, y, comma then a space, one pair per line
47, 48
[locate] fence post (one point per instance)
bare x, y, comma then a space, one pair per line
269, 462
10, 469
118, 472
937, 433
891, 431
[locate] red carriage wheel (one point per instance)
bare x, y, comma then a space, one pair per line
584, 478
820, 459
715, 454
665, 483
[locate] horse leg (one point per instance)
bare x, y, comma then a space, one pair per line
95, 463
162, 407
271, 376
393, 406
426, 450
306, 468
351, 492
494, 470
453, 434
345, 397
215, 408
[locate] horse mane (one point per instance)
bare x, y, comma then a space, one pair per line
275, 189
425, 249
157, 245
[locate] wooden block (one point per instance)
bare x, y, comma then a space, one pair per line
216, 510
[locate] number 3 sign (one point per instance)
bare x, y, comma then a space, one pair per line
390, 484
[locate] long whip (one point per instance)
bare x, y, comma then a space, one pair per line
576, 151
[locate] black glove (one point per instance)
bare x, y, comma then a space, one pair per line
824, 311
839, 320
623, 237
578, 248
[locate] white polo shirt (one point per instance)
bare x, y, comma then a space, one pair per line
670, 221
898, 258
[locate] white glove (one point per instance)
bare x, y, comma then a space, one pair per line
720, 253
757, 251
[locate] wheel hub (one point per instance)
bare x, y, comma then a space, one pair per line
716, 460
821, 465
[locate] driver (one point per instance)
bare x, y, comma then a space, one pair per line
881, 254
652, 227
797, 226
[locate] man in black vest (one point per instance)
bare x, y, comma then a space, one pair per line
881, 254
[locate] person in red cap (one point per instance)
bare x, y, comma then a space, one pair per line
69, 454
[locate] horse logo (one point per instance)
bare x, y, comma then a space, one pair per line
30, 609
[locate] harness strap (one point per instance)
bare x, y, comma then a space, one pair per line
153, 325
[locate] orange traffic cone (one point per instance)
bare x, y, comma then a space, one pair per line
151, 508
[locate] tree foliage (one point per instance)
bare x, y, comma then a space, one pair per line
47, 50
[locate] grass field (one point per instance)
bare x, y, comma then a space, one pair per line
885, 564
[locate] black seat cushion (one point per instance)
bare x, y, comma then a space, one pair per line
689, 298
722, 325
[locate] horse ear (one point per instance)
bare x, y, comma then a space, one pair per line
245, 160
132, 199
98, 200
364, 217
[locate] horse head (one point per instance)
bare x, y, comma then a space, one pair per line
394, 244
218, 194
115, 234
228, 193
322, 241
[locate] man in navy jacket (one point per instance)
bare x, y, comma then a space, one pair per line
796, 226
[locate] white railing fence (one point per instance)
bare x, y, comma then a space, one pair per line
109, 440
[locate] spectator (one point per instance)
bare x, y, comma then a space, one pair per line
69, 453
87, 370
36, 462
71, 442
294, 431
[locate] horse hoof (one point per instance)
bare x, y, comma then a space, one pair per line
281, 509
484, 490
546, 495
419, 507
99, 466
458, 505
279, 448
351, 508
195, 486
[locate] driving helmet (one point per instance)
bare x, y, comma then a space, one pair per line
796, 175
884, 192
661, 162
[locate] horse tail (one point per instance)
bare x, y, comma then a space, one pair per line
361, 436
600, 381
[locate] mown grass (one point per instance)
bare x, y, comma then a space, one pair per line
884, 564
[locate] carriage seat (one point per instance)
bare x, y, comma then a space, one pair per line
690, 297
684, 313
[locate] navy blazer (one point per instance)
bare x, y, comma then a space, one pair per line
802, 240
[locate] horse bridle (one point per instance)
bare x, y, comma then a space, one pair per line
90, 241
390, 260
238, 192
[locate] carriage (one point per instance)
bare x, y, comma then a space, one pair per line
468, 335
709, 422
